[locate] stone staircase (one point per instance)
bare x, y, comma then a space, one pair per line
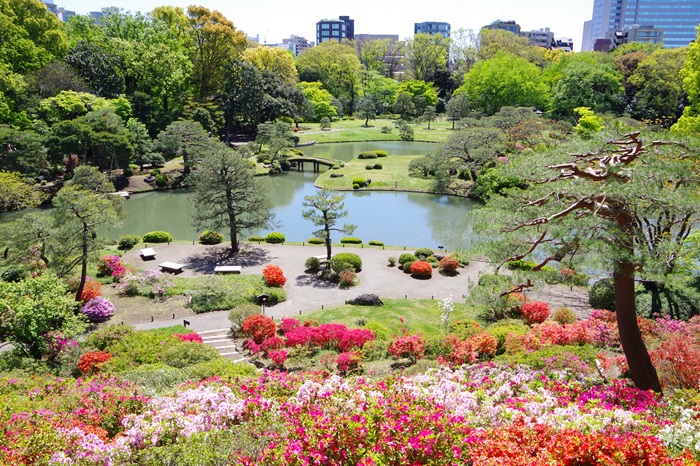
220, 340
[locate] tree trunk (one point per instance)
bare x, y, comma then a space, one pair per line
328, 236
233, 230
83, 270
227, 135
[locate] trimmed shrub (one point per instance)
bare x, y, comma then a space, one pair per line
238, 314
312, 263
360, 181
407, 257
350, 240
449, 264
91, 290
340, 266
374, 242
355, 186
369, 167
421, 269
259, 328
13, 273
377, 166
105, 337
98, 310
89, 363
423, 253
126, 242
381, 153
316, 241
602, 295
161, 181
392, 262
157, 237
188, 354
346, 278
409, 346
501, 329
386, 129
257, 238
406, 267
154, 172
432, 260
353, 259
564, 315
219, 367
535, 312
211, 237
369, 154
275, 237
274, 276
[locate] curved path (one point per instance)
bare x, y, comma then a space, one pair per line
305, 293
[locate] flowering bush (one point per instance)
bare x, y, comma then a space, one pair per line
91, 290
335, 337
421, 269
274, 276
485, 344
191, 337
288, 324
564, 315
57, 342
273, 343
567, 274
278, 357
98, 309
535, 312
89, 362
449, 264
151, 284
349, 361
408, 346
111, 266
259, 328
347, 278
677, 362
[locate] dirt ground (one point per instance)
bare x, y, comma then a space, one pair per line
305, 293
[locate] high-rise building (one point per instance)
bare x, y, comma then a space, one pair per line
335, 29
510, 26
432, 28
677, 18
296, 44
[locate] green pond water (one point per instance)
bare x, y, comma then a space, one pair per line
408, 219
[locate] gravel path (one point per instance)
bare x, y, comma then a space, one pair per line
304, 292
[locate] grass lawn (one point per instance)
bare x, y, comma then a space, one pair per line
419, 315
355, 131
392, 177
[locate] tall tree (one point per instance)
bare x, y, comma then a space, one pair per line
615, 201
457, 108
186, 139
16, 193
242, 96
326, 207
228, 195
425, 53
273, 59
81, 208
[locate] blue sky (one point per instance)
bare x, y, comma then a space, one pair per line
276, 19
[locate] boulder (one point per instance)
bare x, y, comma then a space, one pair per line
366, 300
337, 175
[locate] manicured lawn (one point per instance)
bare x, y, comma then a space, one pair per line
419, 315
392, 177
355, 131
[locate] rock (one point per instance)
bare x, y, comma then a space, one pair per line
366, 300
337, 175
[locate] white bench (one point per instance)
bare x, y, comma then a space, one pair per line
173, 267
148, 253
227, 269
322, 257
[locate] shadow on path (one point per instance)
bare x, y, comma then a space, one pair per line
314, 281
205, 262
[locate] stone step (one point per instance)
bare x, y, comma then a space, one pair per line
214, 337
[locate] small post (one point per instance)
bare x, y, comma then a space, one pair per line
321, 306
173, 315
151, 318
432, 297
185, 323
299, 311
405, 296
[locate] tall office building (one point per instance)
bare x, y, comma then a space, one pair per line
677, 18
432, 28
335, 29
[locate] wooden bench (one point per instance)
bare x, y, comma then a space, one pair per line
173, 267
227, 269
148, 253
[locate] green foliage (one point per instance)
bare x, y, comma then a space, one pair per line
376, 350
315, 240
377, 166
406, 133
157, 236
588, 123
381, 153
127, 242
211, 237
256, 238
407, 257
423, 253
491, 182
370, 154
312, 263
33, 307
355, 186
222, 292
219, 367
349, 258
104, 338
350, 240
374, 242
16, 193
239, 313
406, 266
555, 357
369, 166
162, 181
359, 181
679, 299
564, 315
275, 237
13, 273
155, 378
602, 295
188, 354
380, 331
320, 98
521, 265
325, 123
502, 328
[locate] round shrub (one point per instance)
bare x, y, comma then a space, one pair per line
257, 238
274, 276
259, 328
211, 237
369, 154
564, 315
381, 153
374, 242
98, 310
449, 265
386, 129
353, 259
407, 257
312, 263
126, 242
423, 253
602, 295
535, 312
340, 266
377, 166
392, 261
421, 269
275, 237
434, 261
161, 181
12, 274
238, 314
355, 186
406, 267
521, 265
316, 241
369, 167
346, 278
360, 181
154, 172
157, 237
351, 240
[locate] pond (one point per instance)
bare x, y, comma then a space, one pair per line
405, 219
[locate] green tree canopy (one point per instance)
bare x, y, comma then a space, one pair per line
425, 54
325, 208
321, 99
16, 193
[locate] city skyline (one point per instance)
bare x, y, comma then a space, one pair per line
392, 17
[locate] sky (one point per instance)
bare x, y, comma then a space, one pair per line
274, 20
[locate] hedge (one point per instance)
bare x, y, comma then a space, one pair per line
275, 237
350, 240
157, 237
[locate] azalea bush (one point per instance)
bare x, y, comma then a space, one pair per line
89, 363
421, 269
408, 346
191, 337
98, 310
535, 312
449, 265
259, 327
273, 275
111, 266
91, 290
150, 284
